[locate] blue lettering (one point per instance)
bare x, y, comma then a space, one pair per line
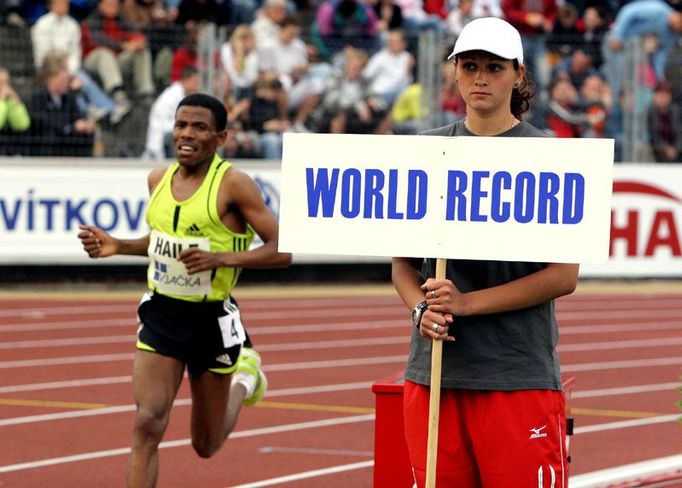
500, 211
417, 192
49, 204
393, 195
574, 198
524, 197
374, 183
74, 212
476, 194
350, 193
97, 218
10, 219
548, 203
30, 205
321, 190
456, 201
133, 218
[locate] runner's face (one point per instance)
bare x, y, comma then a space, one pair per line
486, 81
194, 136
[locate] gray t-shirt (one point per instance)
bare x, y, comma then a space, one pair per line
504, 351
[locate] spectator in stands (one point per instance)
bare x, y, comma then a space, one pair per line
151, 18
596, 103
593, 34
265, 115
186, 54
268, 20
533, 20
201, 11
14, 118
58, 126
452, 103
389, 71
576, 67
459, 16
389, 16
407, 111
287, 58
113, 49
348, 105
240, 61
487, 8
342, 23
159, 143
417, 20
57, 32
664, 122
636, 19
22, 13
563, 115
240, 142
564, 33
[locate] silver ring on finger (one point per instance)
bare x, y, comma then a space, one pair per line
433, 293
434, 327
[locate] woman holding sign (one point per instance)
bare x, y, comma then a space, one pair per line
502, 420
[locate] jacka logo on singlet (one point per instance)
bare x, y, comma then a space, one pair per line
168, 274
161, 275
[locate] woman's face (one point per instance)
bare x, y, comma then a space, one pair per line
486, 81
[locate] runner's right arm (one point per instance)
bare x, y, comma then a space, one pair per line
99, 244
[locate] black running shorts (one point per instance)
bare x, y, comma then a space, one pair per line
202, 335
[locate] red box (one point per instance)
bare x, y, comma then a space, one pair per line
391, 463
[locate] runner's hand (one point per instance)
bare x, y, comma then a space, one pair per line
96, 242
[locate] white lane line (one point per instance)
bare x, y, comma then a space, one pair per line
70, 324
626, 424
315, 451
363, 322
628, 472
634, 343
339, 343
57, 385
74, 341
619, 314
186, 442
308, 474
100, 358
180, 402
633, 363
97, 358
625, 390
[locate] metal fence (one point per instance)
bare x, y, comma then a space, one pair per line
127, 139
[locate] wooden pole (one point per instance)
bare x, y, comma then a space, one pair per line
434, 400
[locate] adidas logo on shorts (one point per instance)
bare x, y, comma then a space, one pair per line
225, 359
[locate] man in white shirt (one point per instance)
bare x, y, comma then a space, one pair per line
287, 57
266, 27
162, 114
56, 32
390, 70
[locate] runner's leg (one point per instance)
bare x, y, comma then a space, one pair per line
156, 380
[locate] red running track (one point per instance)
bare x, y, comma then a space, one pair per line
66, 407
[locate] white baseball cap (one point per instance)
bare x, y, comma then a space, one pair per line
492, 35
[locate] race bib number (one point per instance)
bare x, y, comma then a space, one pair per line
170, 276
231, 326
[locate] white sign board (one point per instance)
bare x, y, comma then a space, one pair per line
516, 199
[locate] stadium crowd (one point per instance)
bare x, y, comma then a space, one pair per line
339, 66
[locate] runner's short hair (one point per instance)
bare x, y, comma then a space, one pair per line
207, 101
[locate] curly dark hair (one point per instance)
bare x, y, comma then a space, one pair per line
522, 95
